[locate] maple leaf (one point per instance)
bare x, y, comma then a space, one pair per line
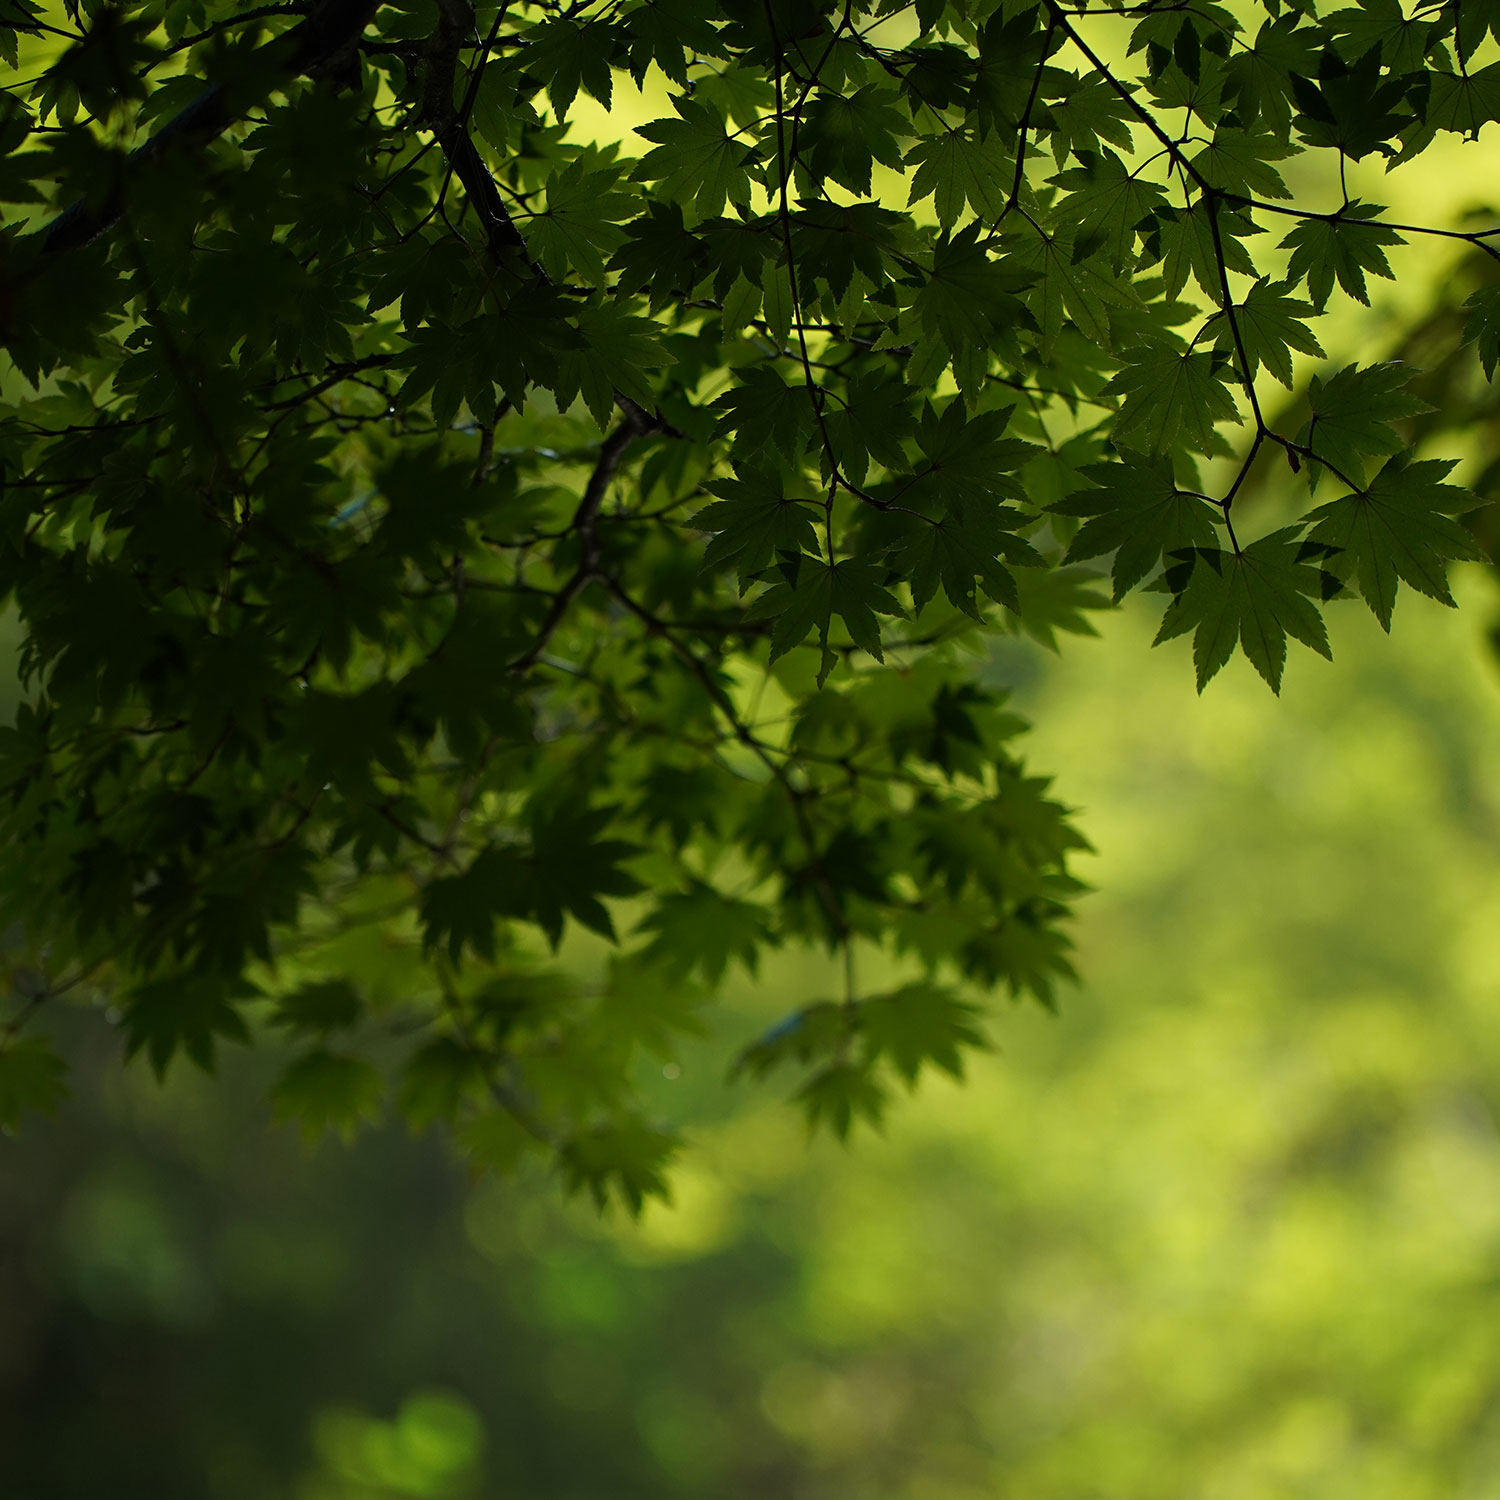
1381, 26
320, 1006
1108, 203
968, 305
1069, 282
568, 57
324, 1091
1401, 527
918, 1025
460, 911
1183, 240
816, 591
580, 225
1353, 416
696, 162
1483, 326
766, 410
1270, 326
752, 521
875, 418
701, 930
1237, 161
839, 1095
954, 168
1352, 106
1255, 599
189, 1013
625, 1159
618, 349
1172, 396
1136, 512
1459, 102
571, 867
970, 544
1054, 599
843, 135
1342, 246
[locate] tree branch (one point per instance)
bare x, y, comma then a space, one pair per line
317, 47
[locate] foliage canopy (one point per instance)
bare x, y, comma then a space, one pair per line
441, 523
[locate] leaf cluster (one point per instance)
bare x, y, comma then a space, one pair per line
446, 530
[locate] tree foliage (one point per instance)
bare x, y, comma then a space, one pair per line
445, 522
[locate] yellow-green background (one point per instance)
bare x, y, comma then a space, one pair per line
1226, 1227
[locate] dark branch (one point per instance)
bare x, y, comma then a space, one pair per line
318, 47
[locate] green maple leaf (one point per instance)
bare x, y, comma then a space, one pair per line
831, 242
871, 424
1270, 325
969, 457
1011, 49
1262, 74
569, 56
1475, 20
581, 223
1254, 598
1483, 326
1054, 599
572, 867
969, 302
626, 1159
1107, 203
1382, 27
1399, 528
1352, 106
696, 162
1089, 112
650, 1002
954, 168
1026, 953
320, 1006
852, 589
1172, 396
764, 410
1342, 247
970, 544
437, 1078
189, 1013
752, 522
323, 1091
1183, 240
460, 911
1238, 161
1353, 413
919, 1025
1137, 512
814, 1031
619, 348
668, 33
1080, 287
842, 135
1460, 102
841, 1094
701, 930
659, 252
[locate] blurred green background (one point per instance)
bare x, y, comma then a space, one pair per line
1228, 1226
